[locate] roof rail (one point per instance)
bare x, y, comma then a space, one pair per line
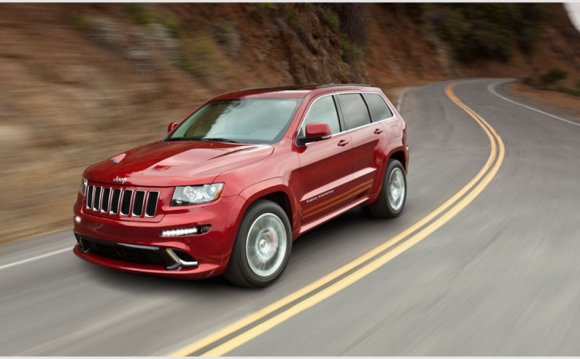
300, 87
336, 85
275, 88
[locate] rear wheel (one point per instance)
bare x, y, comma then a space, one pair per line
262, 246
391, 200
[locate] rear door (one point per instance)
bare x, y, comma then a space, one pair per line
367, 143
325, 166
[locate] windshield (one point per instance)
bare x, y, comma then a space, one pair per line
245, 120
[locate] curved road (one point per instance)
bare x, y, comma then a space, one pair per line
495, 273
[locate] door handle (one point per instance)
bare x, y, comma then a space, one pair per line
343, 143
378, 131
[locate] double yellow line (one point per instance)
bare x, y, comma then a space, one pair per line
245, 329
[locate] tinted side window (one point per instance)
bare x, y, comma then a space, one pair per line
323, 110
354, 110
378, 107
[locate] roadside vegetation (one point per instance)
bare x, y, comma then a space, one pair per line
482, 31
552, 80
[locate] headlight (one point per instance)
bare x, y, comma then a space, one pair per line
188, 195
84, 185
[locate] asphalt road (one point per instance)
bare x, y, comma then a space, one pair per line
499, 277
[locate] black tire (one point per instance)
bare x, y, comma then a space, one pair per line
382, 207
239, 269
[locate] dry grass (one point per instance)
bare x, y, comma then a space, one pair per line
562, 103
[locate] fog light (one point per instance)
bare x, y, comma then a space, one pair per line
77, 219
179, 232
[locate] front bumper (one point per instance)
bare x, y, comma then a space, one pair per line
138, 246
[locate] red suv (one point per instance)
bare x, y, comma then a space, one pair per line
232, 185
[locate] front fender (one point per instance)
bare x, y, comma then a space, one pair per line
264, 188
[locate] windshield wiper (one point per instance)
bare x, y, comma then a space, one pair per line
218, 139
182, 139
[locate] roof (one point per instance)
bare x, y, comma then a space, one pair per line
296, 91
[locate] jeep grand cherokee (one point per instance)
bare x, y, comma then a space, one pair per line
233, 184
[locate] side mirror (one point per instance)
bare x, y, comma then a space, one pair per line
316, 131
172, 126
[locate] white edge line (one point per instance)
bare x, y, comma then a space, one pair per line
13, 264
491, 89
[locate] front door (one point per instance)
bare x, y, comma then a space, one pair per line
325, 173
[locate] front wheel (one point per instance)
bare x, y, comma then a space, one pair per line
391, 200
262, 246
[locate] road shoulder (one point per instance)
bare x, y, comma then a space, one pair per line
551, 101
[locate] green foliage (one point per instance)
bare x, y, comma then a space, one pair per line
353, 21
260, 11
529, 22
172, 23
351, 53
266, 6
292, 13
416, 11
553, 76
344, 71
571, 91
331, 19
550, 80
453, 27
146, 14
487, 30
79, 21
227, 35
140, 14
199, 57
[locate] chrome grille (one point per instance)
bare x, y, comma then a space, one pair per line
124, 202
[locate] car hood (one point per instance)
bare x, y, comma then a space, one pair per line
176, 163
